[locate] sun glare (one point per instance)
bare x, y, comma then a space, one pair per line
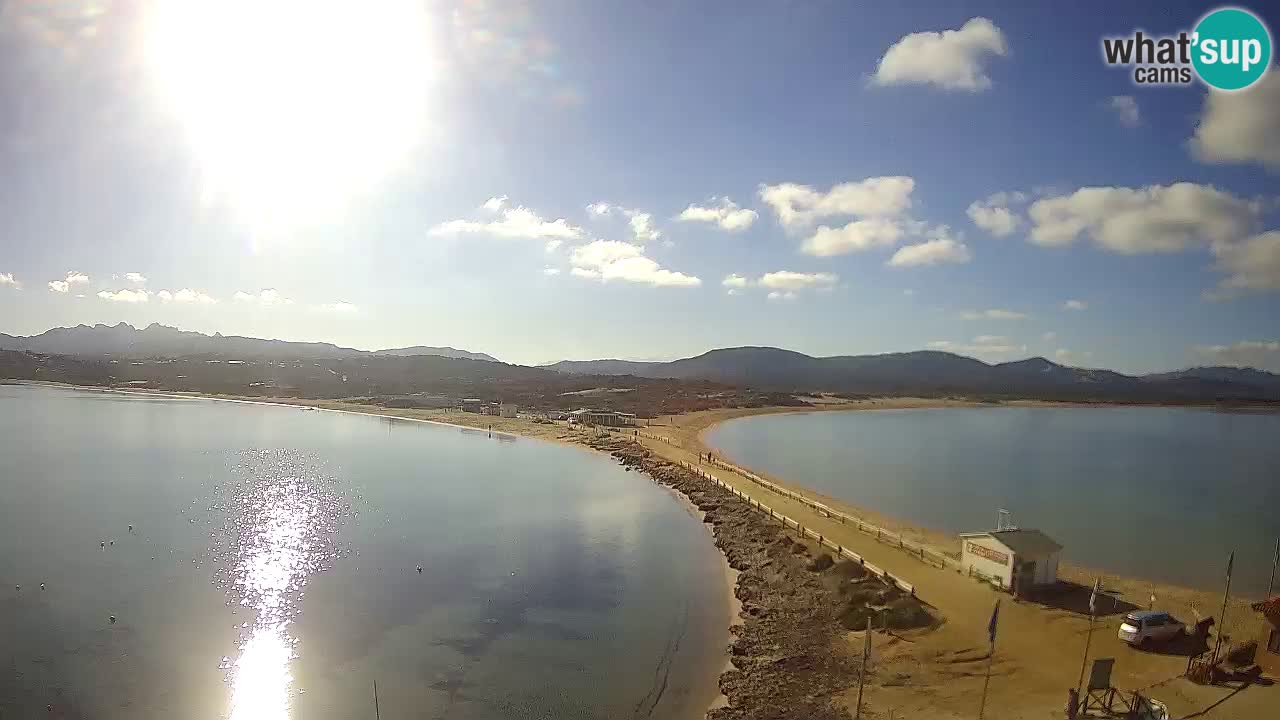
292, 107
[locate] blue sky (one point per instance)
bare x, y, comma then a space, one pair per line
342, 163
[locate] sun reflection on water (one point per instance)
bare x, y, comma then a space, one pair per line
282, 515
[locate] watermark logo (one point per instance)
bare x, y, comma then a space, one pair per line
1229, 49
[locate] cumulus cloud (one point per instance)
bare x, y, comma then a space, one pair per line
135, 278
735, 281
790, 280
553, 245
338, 308
1156, 218
778, 295
639, 222
798, 206
995, 215
607, 260
266, 297
1251, 264
1241, 127
723, 212
125, 296
993, 314
7, 280
599, 209
550, 271
186, 295
494, 204
950, 59
941, 249
853, 237
73, 278
1075, 305
1126, 109
518, 222
1259, 354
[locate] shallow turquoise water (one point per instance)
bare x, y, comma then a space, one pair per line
1160, 493
272, 569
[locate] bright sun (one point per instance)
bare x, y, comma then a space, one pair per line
292, 107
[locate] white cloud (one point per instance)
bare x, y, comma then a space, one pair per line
986, 347
266, 297
1126, 110
338, 308
994, 215
135, 278
6, 279
778, 295
607, 260
735, 281
186, 295
553, 245
1068, 357
1251, 264
789, 280
1263, 355
1241, 127
801, 205
599, 209
73, 278
494, 204
993, 314
550, 271
125, 296
639, 222
931, 252
724, 212
854, 237
951, 59
517, 222
1075, 305
1156, 218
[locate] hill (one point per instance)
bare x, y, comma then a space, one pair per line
158, 340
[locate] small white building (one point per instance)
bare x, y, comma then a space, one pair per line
1017, 560
507, 410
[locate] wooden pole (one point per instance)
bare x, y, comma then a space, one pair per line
1222, 619
987, 682
1274, 561
377, 713
862, 676
1093, 599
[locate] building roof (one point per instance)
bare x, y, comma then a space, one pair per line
1270, 608
1022, 542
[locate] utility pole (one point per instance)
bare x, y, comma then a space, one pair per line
862, 675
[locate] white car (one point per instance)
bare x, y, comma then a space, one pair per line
1150, 626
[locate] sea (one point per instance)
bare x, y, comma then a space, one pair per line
1163, 493
191, 558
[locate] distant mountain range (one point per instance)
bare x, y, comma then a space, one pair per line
936, 372
157, 340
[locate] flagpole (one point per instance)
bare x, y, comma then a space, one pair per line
991, 630
377, 713
1093, 599
1222, 619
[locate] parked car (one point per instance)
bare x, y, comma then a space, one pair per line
1148, 627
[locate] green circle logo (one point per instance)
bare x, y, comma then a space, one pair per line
1231, 49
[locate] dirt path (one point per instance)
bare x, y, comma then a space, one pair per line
939, 673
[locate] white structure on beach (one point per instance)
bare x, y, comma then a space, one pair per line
507, 410
1017, 560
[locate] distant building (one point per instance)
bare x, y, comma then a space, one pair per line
1017, 560
507, 410
605, 418
1268, 655
472, 405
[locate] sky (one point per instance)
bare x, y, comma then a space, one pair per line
570, 180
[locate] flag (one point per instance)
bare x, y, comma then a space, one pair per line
1093, 596
991, 626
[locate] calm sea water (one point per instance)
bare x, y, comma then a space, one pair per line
271, 571
1158, 493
